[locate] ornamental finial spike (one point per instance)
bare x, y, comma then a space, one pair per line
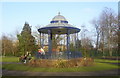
58, 13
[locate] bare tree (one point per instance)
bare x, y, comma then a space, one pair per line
86, 42
96, 24
118, 33
108, 25
7, 45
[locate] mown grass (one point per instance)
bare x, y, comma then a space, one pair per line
104, 60
96, 67
10, 59
16, 59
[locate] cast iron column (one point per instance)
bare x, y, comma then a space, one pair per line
75, 46
40, 40
68, 44
50, 43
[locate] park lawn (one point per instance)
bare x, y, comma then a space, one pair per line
96, 67
16, 59
22, 67
10, 59
108, 61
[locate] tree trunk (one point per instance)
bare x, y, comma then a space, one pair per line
103, 44
118, 34
97, 45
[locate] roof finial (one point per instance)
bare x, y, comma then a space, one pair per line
58, 13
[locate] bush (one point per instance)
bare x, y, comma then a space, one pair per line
61, 63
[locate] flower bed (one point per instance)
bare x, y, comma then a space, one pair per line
61, 63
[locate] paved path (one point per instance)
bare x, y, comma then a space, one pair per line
27, 73
11, 63
5, 72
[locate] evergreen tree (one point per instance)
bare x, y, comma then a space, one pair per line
26, 40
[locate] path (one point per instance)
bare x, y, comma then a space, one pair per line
5, 72
27, 73
10, 63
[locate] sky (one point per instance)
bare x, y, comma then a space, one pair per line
13, 15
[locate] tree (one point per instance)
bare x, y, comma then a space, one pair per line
106, 29
96, 24
56, 40
9, 46
6, 45
86, 42
75, 44
26, 40
118, 33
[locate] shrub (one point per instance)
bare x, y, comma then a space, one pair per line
61, 63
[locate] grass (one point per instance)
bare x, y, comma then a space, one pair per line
96, 67
10, 59
21, 67
104, 60
16, 59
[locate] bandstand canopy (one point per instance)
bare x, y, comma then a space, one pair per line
59, 25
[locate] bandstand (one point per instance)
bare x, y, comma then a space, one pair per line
59, 26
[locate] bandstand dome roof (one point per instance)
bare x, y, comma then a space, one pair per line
59, 25
59, 17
